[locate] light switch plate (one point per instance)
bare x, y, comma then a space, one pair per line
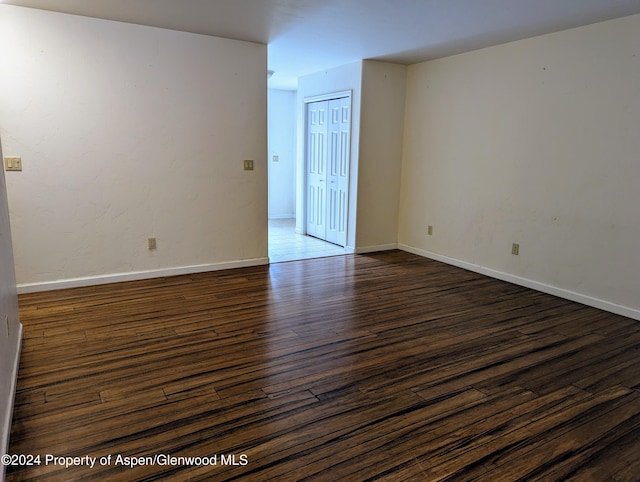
13, 164
248, 165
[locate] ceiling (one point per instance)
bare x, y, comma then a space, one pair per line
305, 36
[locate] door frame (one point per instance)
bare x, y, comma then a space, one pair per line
320, 98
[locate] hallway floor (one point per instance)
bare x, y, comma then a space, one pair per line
286, 245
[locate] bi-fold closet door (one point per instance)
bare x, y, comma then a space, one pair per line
327, 169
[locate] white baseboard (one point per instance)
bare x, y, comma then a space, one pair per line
282, 216
136, 275
8, 416
528, 283
379, 247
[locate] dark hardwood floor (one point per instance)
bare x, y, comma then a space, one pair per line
371, 367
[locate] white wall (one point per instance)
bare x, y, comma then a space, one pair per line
344, 78
128, 132
282, 143
11, 333
378, 94
381, 131
534, 142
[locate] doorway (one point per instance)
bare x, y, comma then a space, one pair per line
288, 238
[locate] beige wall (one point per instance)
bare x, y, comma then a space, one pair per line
10, 327
128, 132
381, 129
534, 142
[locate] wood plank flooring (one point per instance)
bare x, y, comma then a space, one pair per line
371, 367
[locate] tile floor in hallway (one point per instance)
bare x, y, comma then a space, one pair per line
286, 245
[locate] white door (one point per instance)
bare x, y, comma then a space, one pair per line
328, 148
316, 169
338, 170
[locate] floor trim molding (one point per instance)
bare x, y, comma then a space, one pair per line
379, 247
528, 283
8, 416
136, 275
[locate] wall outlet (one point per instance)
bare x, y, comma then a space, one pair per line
429, 230
151, 243
515, 249
13, 164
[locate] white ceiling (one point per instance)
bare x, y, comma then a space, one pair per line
306, 36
